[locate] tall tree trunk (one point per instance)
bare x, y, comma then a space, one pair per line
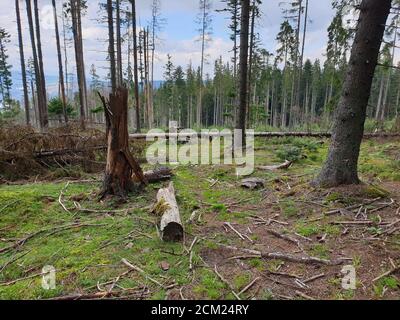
65, 54
146, 76
80, 67
243, 68
203, 44
341, 165
252, 35
380, 97
135, 65
302, 58
40, 60
149, 85
111, 50
42, 78
119, 43
39, 91
22, 58
120, 163
60, 65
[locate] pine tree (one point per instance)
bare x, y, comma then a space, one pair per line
5, 70
204, 20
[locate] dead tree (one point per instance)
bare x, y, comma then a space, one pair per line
111, 49
121, 165
22, 58
135, 66
60, 65
243, 69
76, 7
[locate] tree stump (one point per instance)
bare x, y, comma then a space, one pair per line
120, 162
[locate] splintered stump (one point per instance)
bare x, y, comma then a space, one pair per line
171, 228
121, 165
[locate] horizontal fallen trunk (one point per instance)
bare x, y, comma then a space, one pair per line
171, 228
281, 256
143, 136
284, 165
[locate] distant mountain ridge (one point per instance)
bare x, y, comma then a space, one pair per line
52, 86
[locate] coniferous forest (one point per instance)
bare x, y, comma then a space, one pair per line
200, 150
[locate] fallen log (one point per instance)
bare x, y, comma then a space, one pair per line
143, 136
284, 165
158, 174
171, 228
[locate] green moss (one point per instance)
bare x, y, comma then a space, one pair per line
289, 208
320, 250
241, 281
307, 229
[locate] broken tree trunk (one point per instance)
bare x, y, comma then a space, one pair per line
120, 162
156, 175
171, 228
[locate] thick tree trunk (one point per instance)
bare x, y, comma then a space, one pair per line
243, 68
341, 165
135, 66
60, 65
22, 58
120, 163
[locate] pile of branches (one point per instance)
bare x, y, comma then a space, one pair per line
26, 153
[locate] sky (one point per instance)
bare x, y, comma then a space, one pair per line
178, 37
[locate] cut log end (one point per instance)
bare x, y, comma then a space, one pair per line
173, 231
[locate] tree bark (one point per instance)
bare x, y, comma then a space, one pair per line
243, 68
340, 167
60, 64
120, 163
42, 78
171, 228
80, 67
22, 58
39, 92
119, 44
111, 50
251, 53
135, 66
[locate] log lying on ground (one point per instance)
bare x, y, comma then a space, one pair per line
158, 174
171, 228
143, 136
284, 165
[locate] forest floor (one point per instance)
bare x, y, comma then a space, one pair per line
62, 223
